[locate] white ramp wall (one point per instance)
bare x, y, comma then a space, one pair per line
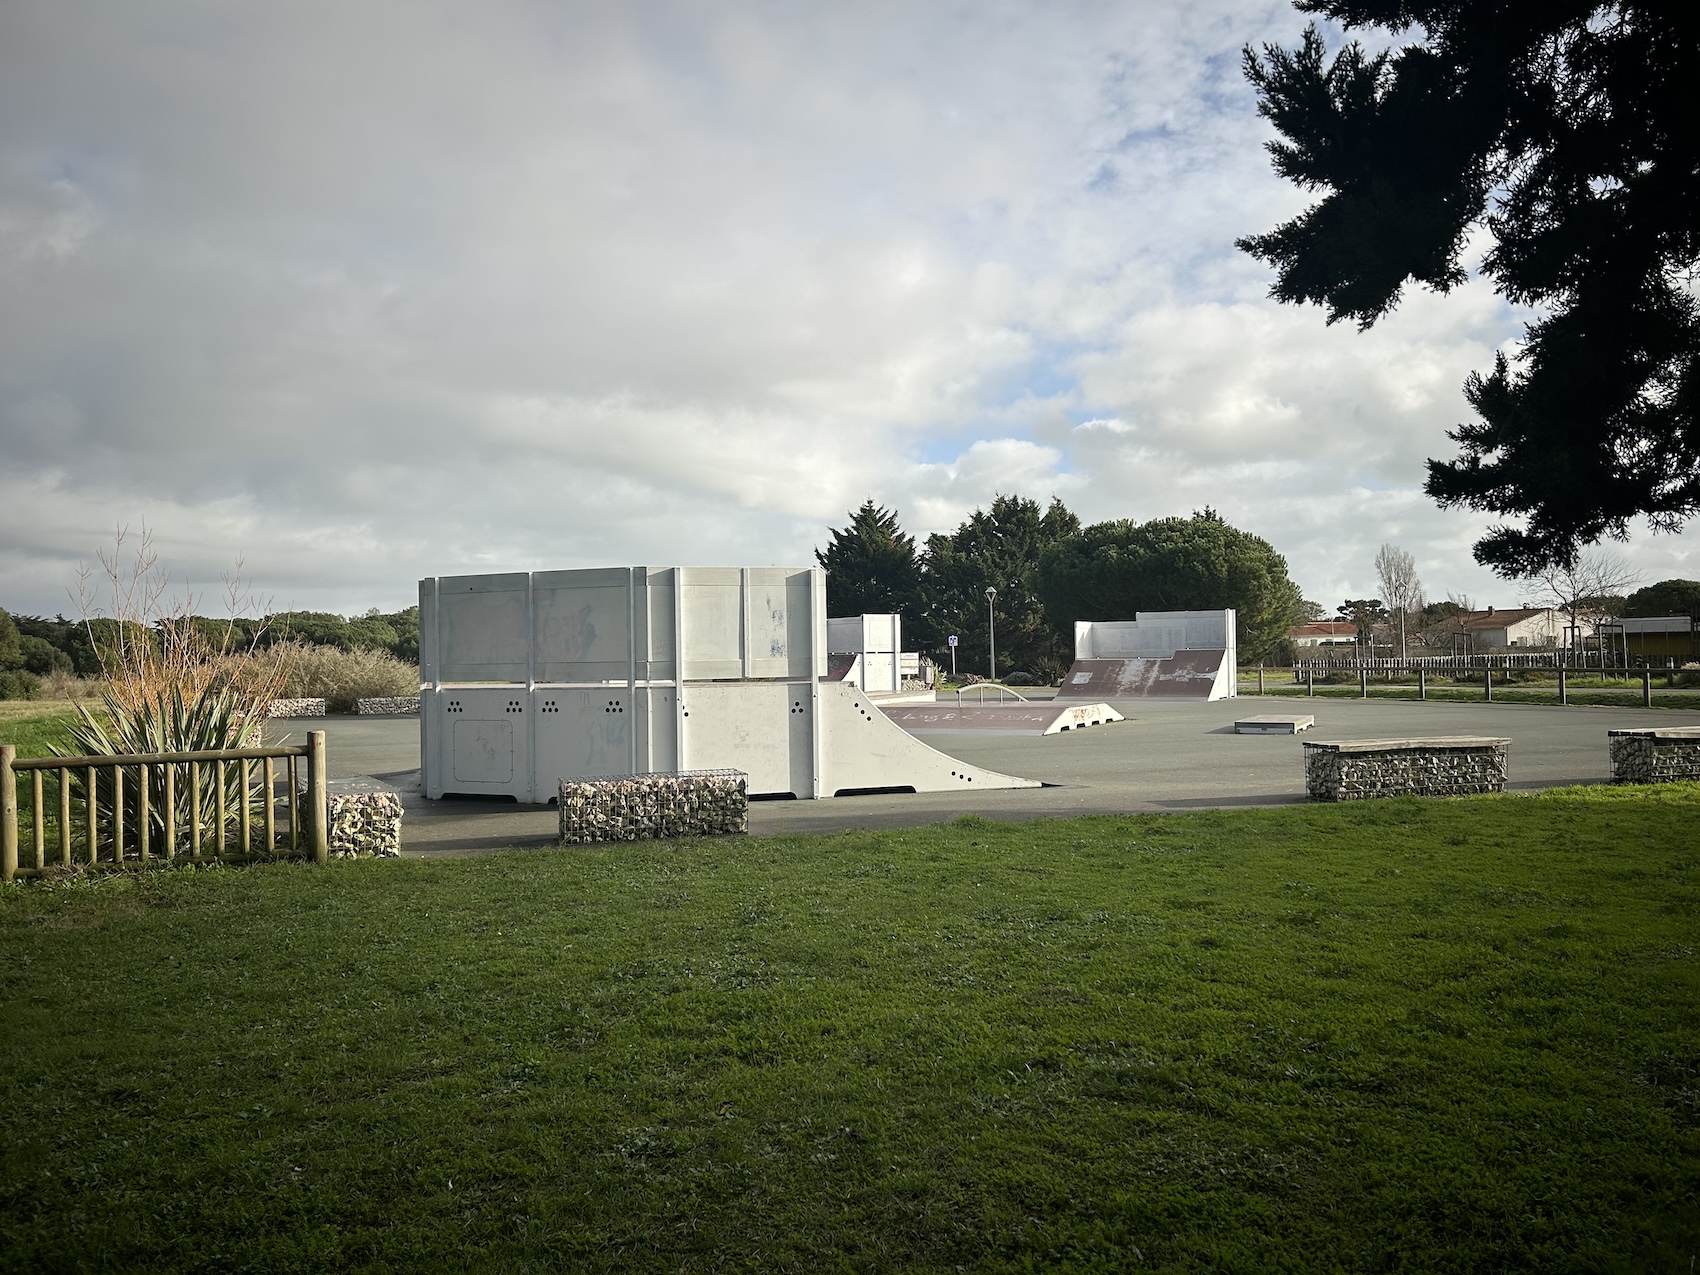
1156, 635
532, 678
878, 640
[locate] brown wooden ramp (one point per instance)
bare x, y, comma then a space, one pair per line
1006, 719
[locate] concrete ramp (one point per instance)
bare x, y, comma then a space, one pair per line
868, 752
1203, 674
1004, 719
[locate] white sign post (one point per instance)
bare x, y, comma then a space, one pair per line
952, 640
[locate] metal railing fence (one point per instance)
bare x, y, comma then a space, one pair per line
215, 805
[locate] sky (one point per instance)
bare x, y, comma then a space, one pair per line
356, 294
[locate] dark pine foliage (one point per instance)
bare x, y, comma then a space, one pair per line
1667, 597
999, 548
1567, 129
871, 567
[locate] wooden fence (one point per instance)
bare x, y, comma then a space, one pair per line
219, 805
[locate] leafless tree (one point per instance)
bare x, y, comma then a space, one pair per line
1588, 591
1396, 571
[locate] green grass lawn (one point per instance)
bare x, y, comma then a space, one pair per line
32, 725
1396, 1036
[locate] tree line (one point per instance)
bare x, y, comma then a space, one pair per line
32, 646
1048, 571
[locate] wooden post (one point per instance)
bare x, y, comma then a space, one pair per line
38, 820
91, 781
246, 777
271, 806
1422, 683
171, 810
8, 813
1563, 690
319, 829
118, 815
1646, 688
1260, 679
145, 813
194, 810
64, 816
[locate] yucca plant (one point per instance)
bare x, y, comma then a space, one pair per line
169, 689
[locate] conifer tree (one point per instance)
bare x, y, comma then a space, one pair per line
1565, 129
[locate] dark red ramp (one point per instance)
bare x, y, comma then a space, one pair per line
1184, 675
1011, 719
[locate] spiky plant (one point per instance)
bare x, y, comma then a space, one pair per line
168, 689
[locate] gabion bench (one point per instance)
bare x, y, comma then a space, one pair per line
387, 706
686, 803
1654, 754
296, 708
1349, 770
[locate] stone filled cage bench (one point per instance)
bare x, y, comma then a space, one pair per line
1654, 754
1453, 766
681, 803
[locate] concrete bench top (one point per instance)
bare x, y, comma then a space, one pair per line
1660, 732
1447, 743
1274, 724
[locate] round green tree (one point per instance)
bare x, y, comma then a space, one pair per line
1114, 570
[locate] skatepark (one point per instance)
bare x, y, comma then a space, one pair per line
1165, 756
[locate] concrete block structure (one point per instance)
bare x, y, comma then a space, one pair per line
867, 650
605, 672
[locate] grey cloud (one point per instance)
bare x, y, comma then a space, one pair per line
370, 292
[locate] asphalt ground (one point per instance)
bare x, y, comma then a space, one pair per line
1167, 755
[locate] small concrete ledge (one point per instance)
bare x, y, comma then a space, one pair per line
1654, 754
691, 803
1274, 724
1453, 766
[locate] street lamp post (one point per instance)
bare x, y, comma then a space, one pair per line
992, 628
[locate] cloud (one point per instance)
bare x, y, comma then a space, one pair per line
370, 293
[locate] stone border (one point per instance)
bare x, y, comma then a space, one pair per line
1654, 754
296, 708
387, 706
686, 803
1451, 766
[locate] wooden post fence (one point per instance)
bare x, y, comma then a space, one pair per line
138, 809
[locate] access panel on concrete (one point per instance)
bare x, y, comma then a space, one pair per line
639, 670
1155, 655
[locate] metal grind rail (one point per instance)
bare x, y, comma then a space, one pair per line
982, 687
215, 805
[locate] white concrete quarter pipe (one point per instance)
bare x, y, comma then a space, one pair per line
533, 678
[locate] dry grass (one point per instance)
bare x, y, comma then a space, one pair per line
341, 677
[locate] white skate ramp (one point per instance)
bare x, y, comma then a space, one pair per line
638, 670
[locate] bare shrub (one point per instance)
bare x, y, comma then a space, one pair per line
167, 685
340, 677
